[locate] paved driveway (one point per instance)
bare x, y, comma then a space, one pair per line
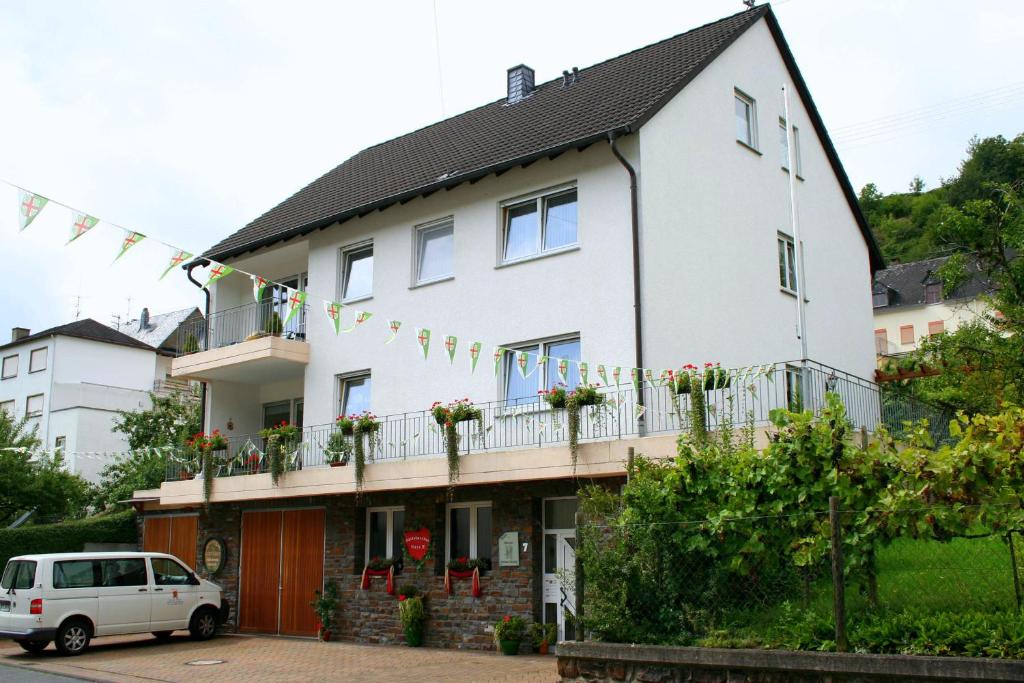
254, 658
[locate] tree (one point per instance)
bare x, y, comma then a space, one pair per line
990, 161
916, 185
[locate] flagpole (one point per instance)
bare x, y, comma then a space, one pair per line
798, 249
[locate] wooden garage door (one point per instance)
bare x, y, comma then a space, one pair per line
156, 535
173, 534
282, 565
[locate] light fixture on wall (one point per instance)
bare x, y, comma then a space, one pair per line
231, 424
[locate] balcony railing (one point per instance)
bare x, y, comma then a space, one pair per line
748, 400
243, 323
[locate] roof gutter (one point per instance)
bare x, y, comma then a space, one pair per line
188, 268
634, 217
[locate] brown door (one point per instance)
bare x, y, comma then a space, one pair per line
261, 572
184, 532
156, 534
302, 570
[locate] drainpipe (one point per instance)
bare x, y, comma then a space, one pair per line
188, 267
634, 216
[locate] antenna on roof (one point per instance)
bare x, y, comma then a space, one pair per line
750, 3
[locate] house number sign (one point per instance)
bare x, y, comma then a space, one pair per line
508, 549
214, 554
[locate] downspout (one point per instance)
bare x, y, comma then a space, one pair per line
634, 216
188, 267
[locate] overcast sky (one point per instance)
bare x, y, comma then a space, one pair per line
185, 120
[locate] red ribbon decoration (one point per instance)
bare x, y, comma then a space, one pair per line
449, 574
389, 573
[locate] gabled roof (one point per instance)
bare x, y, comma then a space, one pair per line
610, 98
161, 329
84, 329
906, 282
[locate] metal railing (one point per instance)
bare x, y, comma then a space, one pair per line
748, 400
242, 323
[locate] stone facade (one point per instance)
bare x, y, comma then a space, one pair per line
371, 616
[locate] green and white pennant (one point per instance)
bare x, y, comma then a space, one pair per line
29, 206
522, 360
474, 355
131, 238
259, 285
81, 224
361, 317
584, 372
296, 299
178, 256
217, 271
451, 343
602, 373
333, 311
394, 326
634, 374
423, 340
499, 353
563, 370
617, 375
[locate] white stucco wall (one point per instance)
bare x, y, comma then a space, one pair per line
26, 384
711, 210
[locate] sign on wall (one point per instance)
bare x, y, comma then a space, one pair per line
508, 549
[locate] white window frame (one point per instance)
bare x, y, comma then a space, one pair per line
32, 359
795, 383
474, 551
60, 443
541, 198
9, 407
796, 154
542, 348
42, 405
789, 264
751, 118
418, 236
390, 510
293, 404
784, 143
348, 377
346, 258
3, 367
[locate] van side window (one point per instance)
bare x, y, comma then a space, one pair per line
76, 574
169, 573
19, 575
126, 572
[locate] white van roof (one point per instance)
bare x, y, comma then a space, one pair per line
88, 556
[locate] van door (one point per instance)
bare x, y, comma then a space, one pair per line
123, 596
76, 585
173, 595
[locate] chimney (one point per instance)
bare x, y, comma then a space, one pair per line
19, 333
520, 83
144, 320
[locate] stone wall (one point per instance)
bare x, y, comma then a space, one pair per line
660, 664
456, 621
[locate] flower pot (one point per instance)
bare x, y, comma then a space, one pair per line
325, 636
509, 647
543, 649
339, 463
185, 476
414, 636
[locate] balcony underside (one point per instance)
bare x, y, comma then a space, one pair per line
267, 359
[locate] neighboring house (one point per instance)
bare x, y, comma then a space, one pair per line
163, 332
70, 381
514, 223
909, 303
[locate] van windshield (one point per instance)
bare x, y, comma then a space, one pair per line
19, 574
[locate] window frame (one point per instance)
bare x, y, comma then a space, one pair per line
540, 199
343, 379
789, 264
903, 334
932, 293
936, 328
42, 405
473, 506
32, 357
540, 347
419, 231
794, 388
885, 299
751, 119
60, 443
3, 366
796, 154
13, 404
389, 537
346, 256
881, 340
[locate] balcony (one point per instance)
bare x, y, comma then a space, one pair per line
250, 344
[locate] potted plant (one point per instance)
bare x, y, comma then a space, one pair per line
583, 395
508, 634
280, 438
412, 613
542, 636
339, 449
356, 426
448, 417
204, 446
191, 344
324, 605
273, 326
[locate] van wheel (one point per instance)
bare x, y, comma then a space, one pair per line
33, 646
163, 636
73, 637
203, 624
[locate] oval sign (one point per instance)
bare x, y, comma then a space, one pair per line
214, 554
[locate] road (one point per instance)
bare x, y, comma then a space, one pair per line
16, 674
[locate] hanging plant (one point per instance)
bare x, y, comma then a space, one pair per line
203, 446
583, 395
280, 439
448, 417
339, 449
356, 425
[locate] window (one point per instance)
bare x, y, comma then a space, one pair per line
468, 532
881, 340
10, 367
355, 394
19, 575
880, 299
76, 574
933, 292
384, 529
796, 153
794, 388
906, 334
34, 406
60, 443
124, 572
37, 360
783, 144
357, 274
539, 225
169, 573
746, 121
282, 411
936, 327
7, 407
520, 390
787, 263
435, 250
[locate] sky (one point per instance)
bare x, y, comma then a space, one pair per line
185, 120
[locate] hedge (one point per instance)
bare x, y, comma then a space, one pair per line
68, 537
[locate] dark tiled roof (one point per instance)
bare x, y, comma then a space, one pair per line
615, 96
906, 282
84, 329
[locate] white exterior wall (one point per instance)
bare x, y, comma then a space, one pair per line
27, 384
953, 314
710, 213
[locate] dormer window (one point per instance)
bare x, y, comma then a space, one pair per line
933, 292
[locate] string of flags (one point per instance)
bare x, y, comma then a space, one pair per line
31, 204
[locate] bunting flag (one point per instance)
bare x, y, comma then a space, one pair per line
584, 372
29, 206
474, 355
617, 375
361, 317
563, 371
131, 238
423, 339
450, 344
259, 285
218, 271
639, 410
394, 326
603, 374
634, 374
522, 360
541, 363
179, 256
296, 299
499, 353
82, 224
333, 311
649, 374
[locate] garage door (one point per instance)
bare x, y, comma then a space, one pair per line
282, 566
173, 534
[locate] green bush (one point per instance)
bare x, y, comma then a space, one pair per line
68, 537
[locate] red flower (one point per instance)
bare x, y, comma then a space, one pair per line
507, 618
401, 598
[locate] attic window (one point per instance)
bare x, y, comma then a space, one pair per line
880, 298
933, 293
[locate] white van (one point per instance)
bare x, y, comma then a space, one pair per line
70, 598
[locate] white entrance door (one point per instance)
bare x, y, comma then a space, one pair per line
560, 565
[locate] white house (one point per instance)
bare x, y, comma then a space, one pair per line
632, 214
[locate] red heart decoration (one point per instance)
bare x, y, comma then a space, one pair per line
417, 542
